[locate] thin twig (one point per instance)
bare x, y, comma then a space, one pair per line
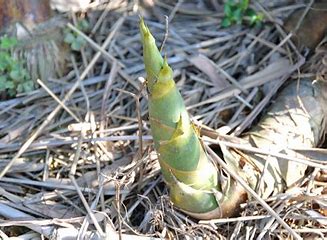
57, 100
166, 34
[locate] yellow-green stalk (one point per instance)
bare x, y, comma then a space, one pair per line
191, 177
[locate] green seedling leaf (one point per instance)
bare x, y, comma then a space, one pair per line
253, 16
11, 92
3, 82
250, 13
3, 61
9, 61
15, 75
20, 88
226, 22
24, 73
228, 10
28, 86
76, 46
238, 11
10, 85
238, 15
78, 43
8, 42
244, 4
14, 78
83, 25
80, 39
69, 37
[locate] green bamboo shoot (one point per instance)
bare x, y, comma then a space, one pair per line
191, 177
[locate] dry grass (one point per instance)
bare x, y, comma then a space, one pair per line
77, 156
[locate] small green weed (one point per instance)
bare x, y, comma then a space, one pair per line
76, 41
14, 77
238, 10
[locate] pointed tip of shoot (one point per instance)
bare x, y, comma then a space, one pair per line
143, 27
166, 73
152, 58
145, 32
165, 62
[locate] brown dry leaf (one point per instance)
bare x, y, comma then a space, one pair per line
208, 67
13, 134
317, 216
90, 179
322, 177
323, 211
273, 71
317, 154
313, 27
21, 166
322, 203
53, 209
